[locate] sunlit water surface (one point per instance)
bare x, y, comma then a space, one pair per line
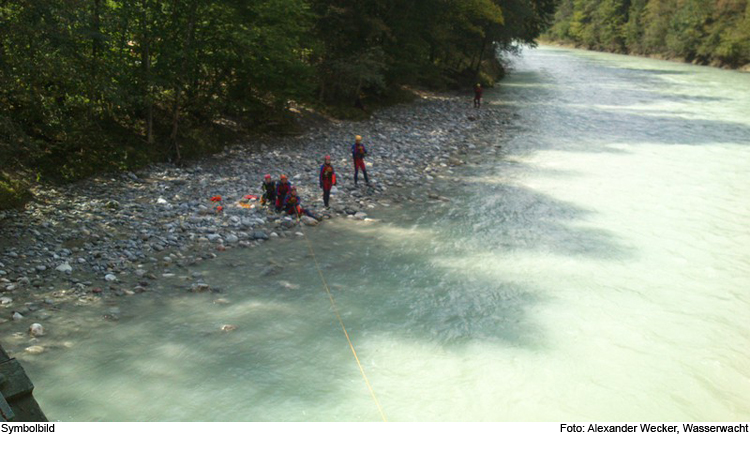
594, 266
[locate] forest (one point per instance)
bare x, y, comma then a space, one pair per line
92, 86
713, 32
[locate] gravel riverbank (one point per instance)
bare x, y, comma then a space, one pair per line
118, 235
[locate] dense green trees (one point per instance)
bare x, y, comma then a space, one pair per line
92, 85
87, 85
702, 31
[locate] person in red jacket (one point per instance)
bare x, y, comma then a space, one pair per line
358, 154
282, 190
268, 188
478, 95
327, 179
293, 207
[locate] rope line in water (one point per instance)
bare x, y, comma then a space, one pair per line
341, 322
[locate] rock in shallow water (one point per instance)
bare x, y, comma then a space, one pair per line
36, 330
309, 221
35, 349
287, 285
200, 287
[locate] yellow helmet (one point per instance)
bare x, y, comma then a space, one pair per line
358, 138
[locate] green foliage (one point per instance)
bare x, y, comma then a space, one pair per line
703, 31
634, 27
14, 193
687, 30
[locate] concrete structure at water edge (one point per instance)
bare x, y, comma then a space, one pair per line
17, 403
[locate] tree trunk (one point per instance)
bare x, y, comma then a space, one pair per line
149, 100
95, 50
481, 55
146, 64
189, 33
96, 25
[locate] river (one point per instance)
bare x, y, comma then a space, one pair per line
593, 266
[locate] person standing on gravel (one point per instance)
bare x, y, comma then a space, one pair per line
282, 191
327, 179
269, 191
358, 154
478, 95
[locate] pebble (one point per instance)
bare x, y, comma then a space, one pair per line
288, 285
36, 330
110, 277
65, 267
200, 287
35, 349
309, 221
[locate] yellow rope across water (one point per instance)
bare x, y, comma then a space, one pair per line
341, 322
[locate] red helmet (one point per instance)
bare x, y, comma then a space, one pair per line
283, 177
267, 177
328, 157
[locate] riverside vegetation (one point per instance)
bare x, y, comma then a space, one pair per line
103, 85
713, 32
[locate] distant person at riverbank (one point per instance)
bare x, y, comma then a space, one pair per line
478, 95
294, 207
269, 191
327, 179
358, 154
282, 191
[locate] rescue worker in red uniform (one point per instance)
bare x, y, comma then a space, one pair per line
269, 191
283, 186
358, 154
327, 179
294, 207
478, 95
